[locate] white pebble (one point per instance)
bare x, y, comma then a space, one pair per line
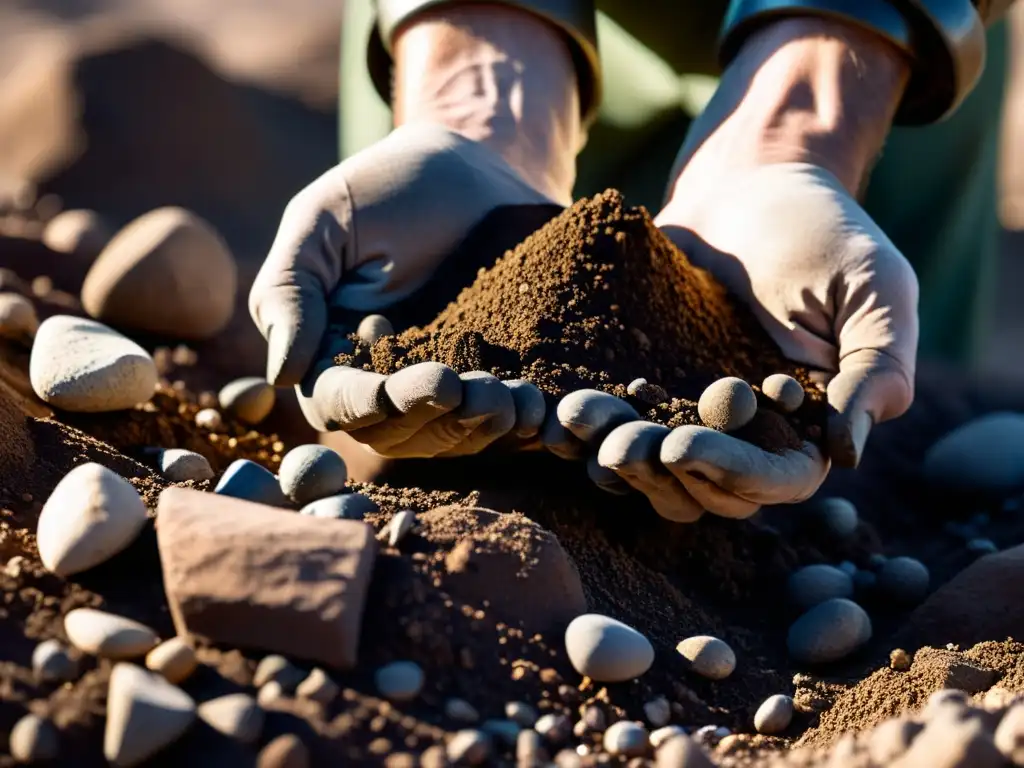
77, 232
727, 405
708, 656
607, 650
145, 713
399, 526
400, 680
554, 727
236, 715
52, 663
180, 466
18, 319
373, 327
625, 738
277, 669
774, 715
785, 391
815, 584
107, 635
522, 713
250, 399
903, 580
34, 740
210, 418
311, 472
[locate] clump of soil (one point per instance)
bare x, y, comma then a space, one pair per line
596, 298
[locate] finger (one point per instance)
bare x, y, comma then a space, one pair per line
590, 414
345, 399
733, 478
559, 440
530, 407
633, 452
871, 387
606, 479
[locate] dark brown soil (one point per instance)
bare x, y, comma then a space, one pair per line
596, 298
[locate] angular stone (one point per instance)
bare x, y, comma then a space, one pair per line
247, 575
986, 454
145, 713
107, 635
250, 399
236, 715
174, 659
249, 481
81, 365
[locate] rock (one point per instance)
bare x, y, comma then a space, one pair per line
504, 731
82, 366
92, 514
469, 747
285, 751
681, 752
52, 663
248, 481
891, 739
277, 669
607, 650
785, 391
626, 739
268, 695
373, 327
530, 752
828, 632
727, 405
168, 272
815, 584
236, 715
848, 568
708, 656
398, 526
434, 757
774, 715
982, 546
311, 472
903, 580
833, 518
658, 712
522, 713
642, 390
661, 735
104, 634
344, 506
899, 660
399, 680
461, 710
34, 740
209, 418
318, 687
952, 743
174, 659
250, 399
1009, 735
555, 728
984, 455
247, 575
595, 719
18, 319
77, 232
180, 466
145, 713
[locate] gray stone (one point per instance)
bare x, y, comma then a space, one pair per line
522, 713
175, 660
555, 728
503, 731
344, 506
400, 680
848, 568
180, 466
607, 650
52, 663
461, 710
774, 715
104, 634
626, 739
658, 712
318, 687
311, 472
34, 740
661, 735
1009, 735
145, 713
727, 405
249, 399
815, 584
373, 327
18, 319
81, 365
903, 580
833, 518
828, 632
785, 391
982, 546
681, 752
236, 715
985, 455
276, 668
469, 747
708, 656
247, 480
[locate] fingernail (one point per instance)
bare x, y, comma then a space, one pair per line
277, 352
847, 435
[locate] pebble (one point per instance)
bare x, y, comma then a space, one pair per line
373, 327
986, 455
77, 231
1009, 735
286, 751
848, 568
652, 394
727, 405
658, 712
236, 715
815, 584
706, 734
247, 480
877, 560
180, 466
270, 693
903, 580
51, 662
344, 506
774, 715
522, 713
828, 632
92, 514
594, 719
250, 399
834, 518
505, 731
18, 319
530, 752
469, 747
106, 635
661, 735
399, 526
174, 659
80, 365
625, 738
318, 687
708, 656
276, 668
167, 272
34, 740
982, 546
210, 418
682, 752
311, 472
145, 713
568, 758
434, 757
785, 391
607, 650
400, 680
461, 710
555, 728
899, 660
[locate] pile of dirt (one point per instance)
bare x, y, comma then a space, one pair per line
596, 298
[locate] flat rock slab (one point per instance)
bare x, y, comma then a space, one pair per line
250, 575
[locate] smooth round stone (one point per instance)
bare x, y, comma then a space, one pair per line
982, 546
658, 712
504, 731
175, 660
554, 727
373, 327
461, 710
34, 740
708, 656
835, 517
167, 272
18, 319
469, 747
400, 680
77, 231
311, 472
209, 418
774, 715
107, 635
626, 739
180, 466
828, 632
815, 584
277, 669
247, 480
145, 713
727, 405
92, 514
52, 663
903, 580
985, 455
661, 735
250, 399
522, 713
607, 650
318, 687
590, 414
236, 715
345, 506
848, 568
286, 751
785, 391
530, 749
80, 365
